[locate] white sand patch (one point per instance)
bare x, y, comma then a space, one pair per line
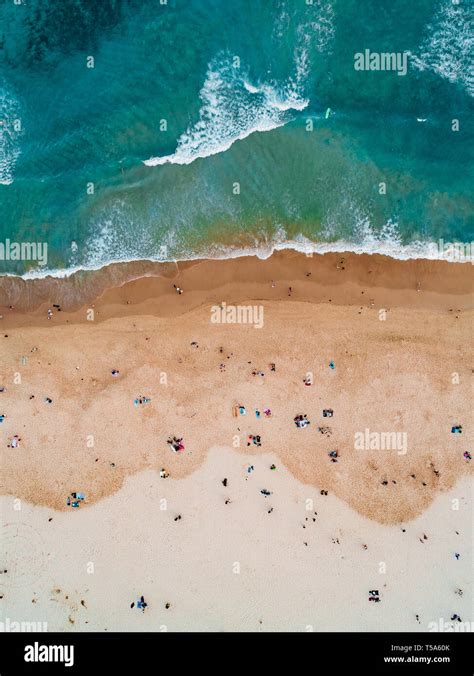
138, 548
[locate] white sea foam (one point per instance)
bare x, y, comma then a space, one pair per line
116, 241
318, 31
250, 88
232, 109
415, 250
116, 236
9, 135
449, 44
386, 243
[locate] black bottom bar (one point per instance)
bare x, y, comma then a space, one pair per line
424, 653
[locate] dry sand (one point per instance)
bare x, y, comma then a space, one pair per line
235, 566
399, 334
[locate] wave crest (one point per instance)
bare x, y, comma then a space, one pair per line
447, 49
9, 135
233, 108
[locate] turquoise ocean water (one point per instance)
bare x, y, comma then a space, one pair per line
203, 128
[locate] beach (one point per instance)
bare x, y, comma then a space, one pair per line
102, 373
235, 566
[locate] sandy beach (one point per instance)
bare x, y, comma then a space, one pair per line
100, 370
306, 565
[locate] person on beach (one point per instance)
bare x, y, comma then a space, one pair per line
176, 444
140, 400
141, 604
301, 420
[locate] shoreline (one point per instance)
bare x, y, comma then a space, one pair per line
331, 270
232, 253
452, 252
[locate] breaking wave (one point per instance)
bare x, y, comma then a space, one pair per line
447, 50
233, 108
9, 135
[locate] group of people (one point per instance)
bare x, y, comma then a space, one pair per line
374, 596
176, 444
140, 400
75, 499
301, 420
266, 412
141, 604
